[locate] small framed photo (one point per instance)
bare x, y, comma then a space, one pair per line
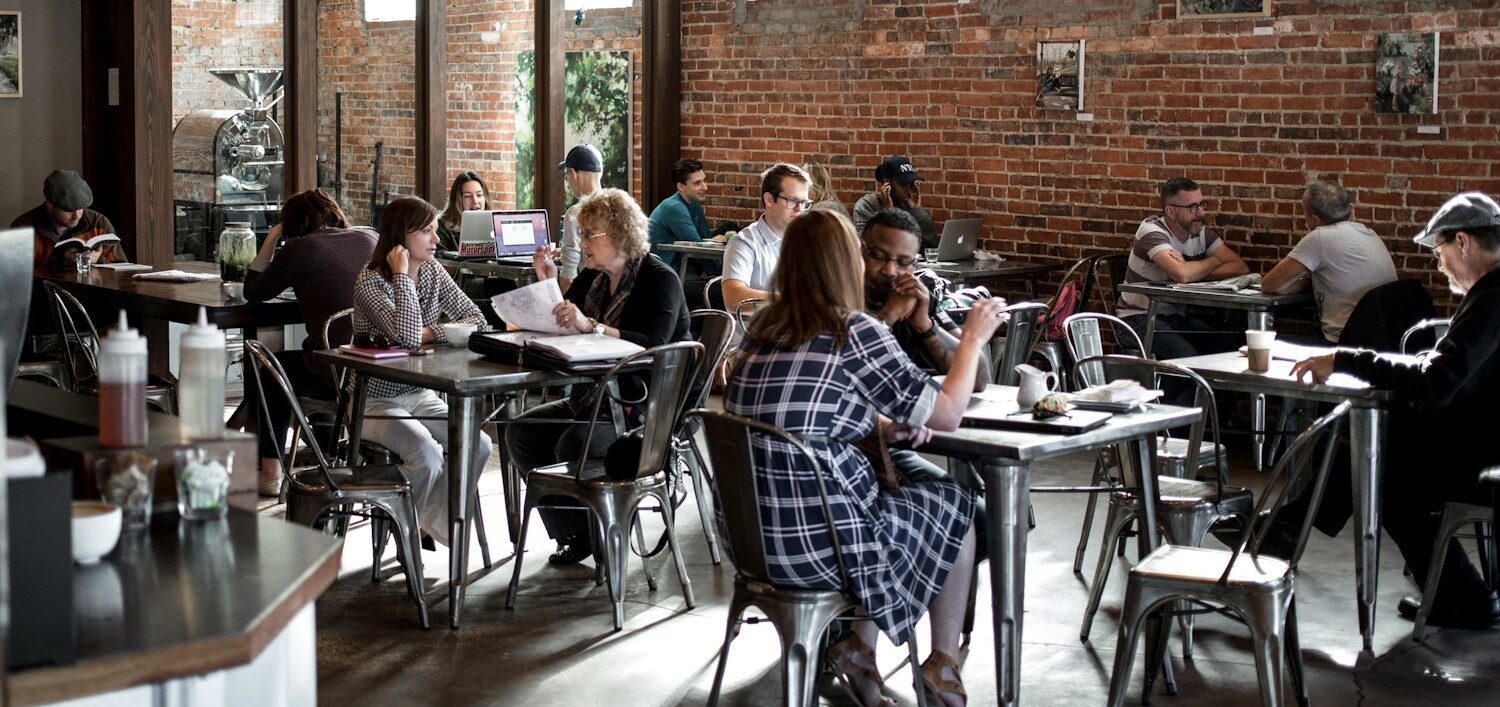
10, 54
1406, 66
1059, 75
1188, 9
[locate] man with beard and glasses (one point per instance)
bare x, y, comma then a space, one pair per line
1177, 245
908, 300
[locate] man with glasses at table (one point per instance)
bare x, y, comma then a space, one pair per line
908, 300
1177, 245
751, 255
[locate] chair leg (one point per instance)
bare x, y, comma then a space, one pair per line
1267, 622
914, 657
1100, 467
969, 609
409, 552
1130, 632
515, 575
696, 467
682, 576
1188, 529
378, 533
732, 628
484, 538
801, 640
1114, 521
1294, 656
1446, 528
640, 539
1483, 535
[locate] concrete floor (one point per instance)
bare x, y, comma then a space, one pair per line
557, 646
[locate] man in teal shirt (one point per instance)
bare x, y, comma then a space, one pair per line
679, 217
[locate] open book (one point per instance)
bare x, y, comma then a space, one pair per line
91, 243
1232, 284
572, 348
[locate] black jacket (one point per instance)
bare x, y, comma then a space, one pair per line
656, 312
1454, 394
1384, 314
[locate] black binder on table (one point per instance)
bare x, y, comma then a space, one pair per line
1005, 415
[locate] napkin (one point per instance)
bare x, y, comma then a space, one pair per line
1120, 391
176, 276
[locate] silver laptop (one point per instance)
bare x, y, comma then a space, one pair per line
518, 234
476, 235
960, 238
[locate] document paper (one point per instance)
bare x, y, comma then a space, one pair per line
530, 308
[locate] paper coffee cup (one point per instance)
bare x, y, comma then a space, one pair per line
1258, 339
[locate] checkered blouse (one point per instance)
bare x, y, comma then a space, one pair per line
898, 546
400, 307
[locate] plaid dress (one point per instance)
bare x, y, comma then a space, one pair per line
898, 546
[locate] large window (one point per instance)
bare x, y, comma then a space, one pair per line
390, 10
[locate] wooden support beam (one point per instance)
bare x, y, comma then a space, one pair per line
432, 99
547, 106
661, 145
300, 108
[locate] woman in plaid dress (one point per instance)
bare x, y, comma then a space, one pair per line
817, 366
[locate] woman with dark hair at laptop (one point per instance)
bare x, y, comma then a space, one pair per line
468, 193
320, 260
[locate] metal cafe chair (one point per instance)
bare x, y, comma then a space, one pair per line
1022, 331
714, 284
316, 495
715, 331
1455, 516
1417, 333
15, 308
1242, 584
801, 615
613, 503
1187, 508
80, 351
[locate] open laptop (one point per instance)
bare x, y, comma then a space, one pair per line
960, 238
476, 236
518, 234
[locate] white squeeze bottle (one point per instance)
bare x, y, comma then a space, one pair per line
122, 387
200, 388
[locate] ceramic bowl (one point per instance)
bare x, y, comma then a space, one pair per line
234, 290
458, 334
96, 529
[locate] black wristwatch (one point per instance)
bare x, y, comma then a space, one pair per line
931, 332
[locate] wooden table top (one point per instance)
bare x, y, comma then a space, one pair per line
184, 600
169, 301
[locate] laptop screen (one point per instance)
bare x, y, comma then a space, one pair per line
520, 232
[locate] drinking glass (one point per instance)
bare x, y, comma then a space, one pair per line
127, 480
203, 482
81, 260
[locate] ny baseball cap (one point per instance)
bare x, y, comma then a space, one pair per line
583, 158
67, 191
896, 167
1467, 210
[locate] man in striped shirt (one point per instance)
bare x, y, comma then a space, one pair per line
1177, 245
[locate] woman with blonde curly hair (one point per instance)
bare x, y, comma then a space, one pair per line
622, 292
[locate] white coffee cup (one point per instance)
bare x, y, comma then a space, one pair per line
96, 528
458, 333
233, 290
1258, 349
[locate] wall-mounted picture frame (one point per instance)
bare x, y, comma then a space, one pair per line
1188, 9
1059, 75
10, 54
1406, 72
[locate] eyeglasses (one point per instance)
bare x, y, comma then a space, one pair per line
802, 204
882, 257
585, 234
374, 341
1200, 206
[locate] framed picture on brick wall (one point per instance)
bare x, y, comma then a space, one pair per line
1188, 9
1059, 75
1406, 65
10, 55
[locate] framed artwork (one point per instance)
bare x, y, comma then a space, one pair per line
10, 55
1406, 65
1059, 75
1222, 8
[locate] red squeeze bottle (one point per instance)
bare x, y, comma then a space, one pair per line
122, 387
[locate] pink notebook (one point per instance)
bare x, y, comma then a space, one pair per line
369, 352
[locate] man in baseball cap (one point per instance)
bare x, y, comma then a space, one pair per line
1444, 407
582, 170
64, 215
896, 186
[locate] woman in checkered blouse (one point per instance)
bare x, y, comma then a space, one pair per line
404, 294
816, 365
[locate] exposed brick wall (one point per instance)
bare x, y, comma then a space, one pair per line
215, 34
952, 83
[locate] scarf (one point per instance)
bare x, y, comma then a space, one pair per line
604, 306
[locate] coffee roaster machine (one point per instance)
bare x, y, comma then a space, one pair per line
228, 165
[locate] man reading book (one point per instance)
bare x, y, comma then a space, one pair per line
64, 224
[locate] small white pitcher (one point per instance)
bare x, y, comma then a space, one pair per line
1035, 384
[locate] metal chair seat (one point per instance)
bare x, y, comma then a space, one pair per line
1172, 457
1184, 494
1194, 566
46, 368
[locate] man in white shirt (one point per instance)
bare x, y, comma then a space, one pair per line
751, 255
1342, 259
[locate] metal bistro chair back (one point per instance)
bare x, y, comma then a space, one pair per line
313, 495
1080, 276
746, 309
715, 285
1250, 586
612, 503
80, 350
1417, 335
801, 615
1022, 331
15, 302
716, 329
1085, 339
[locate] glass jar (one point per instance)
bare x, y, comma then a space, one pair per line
203, 482
236, 250
128, 480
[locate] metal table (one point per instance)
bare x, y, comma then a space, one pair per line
522, 274
1257, 308
711, 250
465, 377
1367, 430
959, 272
1003, 460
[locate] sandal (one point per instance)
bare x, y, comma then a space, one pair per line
853, 664
934, 682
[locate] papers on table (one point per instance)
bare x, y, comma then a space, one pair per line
1243, 284
529, 308
122, 266
1114, 396
584, 348
176, 276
